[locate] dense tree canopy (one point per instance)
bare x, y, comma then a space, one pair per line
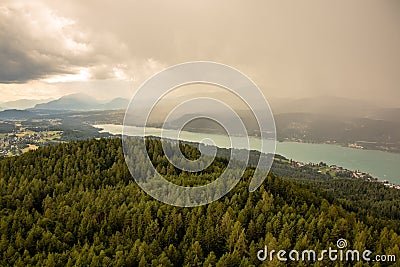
76, 204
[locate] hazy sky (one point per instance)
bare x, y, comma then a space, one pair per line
289, 48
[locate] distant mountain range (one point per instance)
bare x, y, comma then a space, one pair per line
23, 103
82, 102
340, 108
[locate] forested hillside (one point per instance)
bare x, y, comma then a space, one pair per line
76, 204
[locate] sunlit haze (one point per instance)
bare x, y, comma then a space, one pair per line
290, 49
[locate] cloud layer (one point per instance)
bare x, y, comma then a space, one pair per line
290, 48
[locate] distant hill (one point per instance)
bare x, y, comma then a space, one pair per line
70, 102
316, 128
328, 105
15, 114
389, 114
367, 132
23, 103
116, 103
208, 125
82, 102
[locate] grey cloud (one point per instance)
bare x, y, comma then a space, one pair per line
24, 55
289, 48
102, 72
18, 67
36, 44
19, 63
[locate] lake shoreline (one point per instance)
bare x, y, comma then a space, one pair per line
380, 164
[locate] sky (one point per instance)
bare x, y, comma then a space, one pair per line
296, 49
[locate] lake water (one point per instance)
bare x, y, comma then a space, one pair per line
383, 165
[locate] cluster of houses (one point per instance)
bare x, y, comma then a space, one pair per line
14, 143
342, 172
390, 185
357, 174
355, 146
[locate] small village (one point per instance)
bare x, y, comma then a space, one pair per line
337, 171
22, 140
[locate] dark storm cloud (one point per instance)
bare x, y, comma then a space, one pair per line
19, 62
17, 67
37, 42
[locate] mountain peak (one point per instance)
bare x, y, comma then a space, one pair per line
77, 96
83, 102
